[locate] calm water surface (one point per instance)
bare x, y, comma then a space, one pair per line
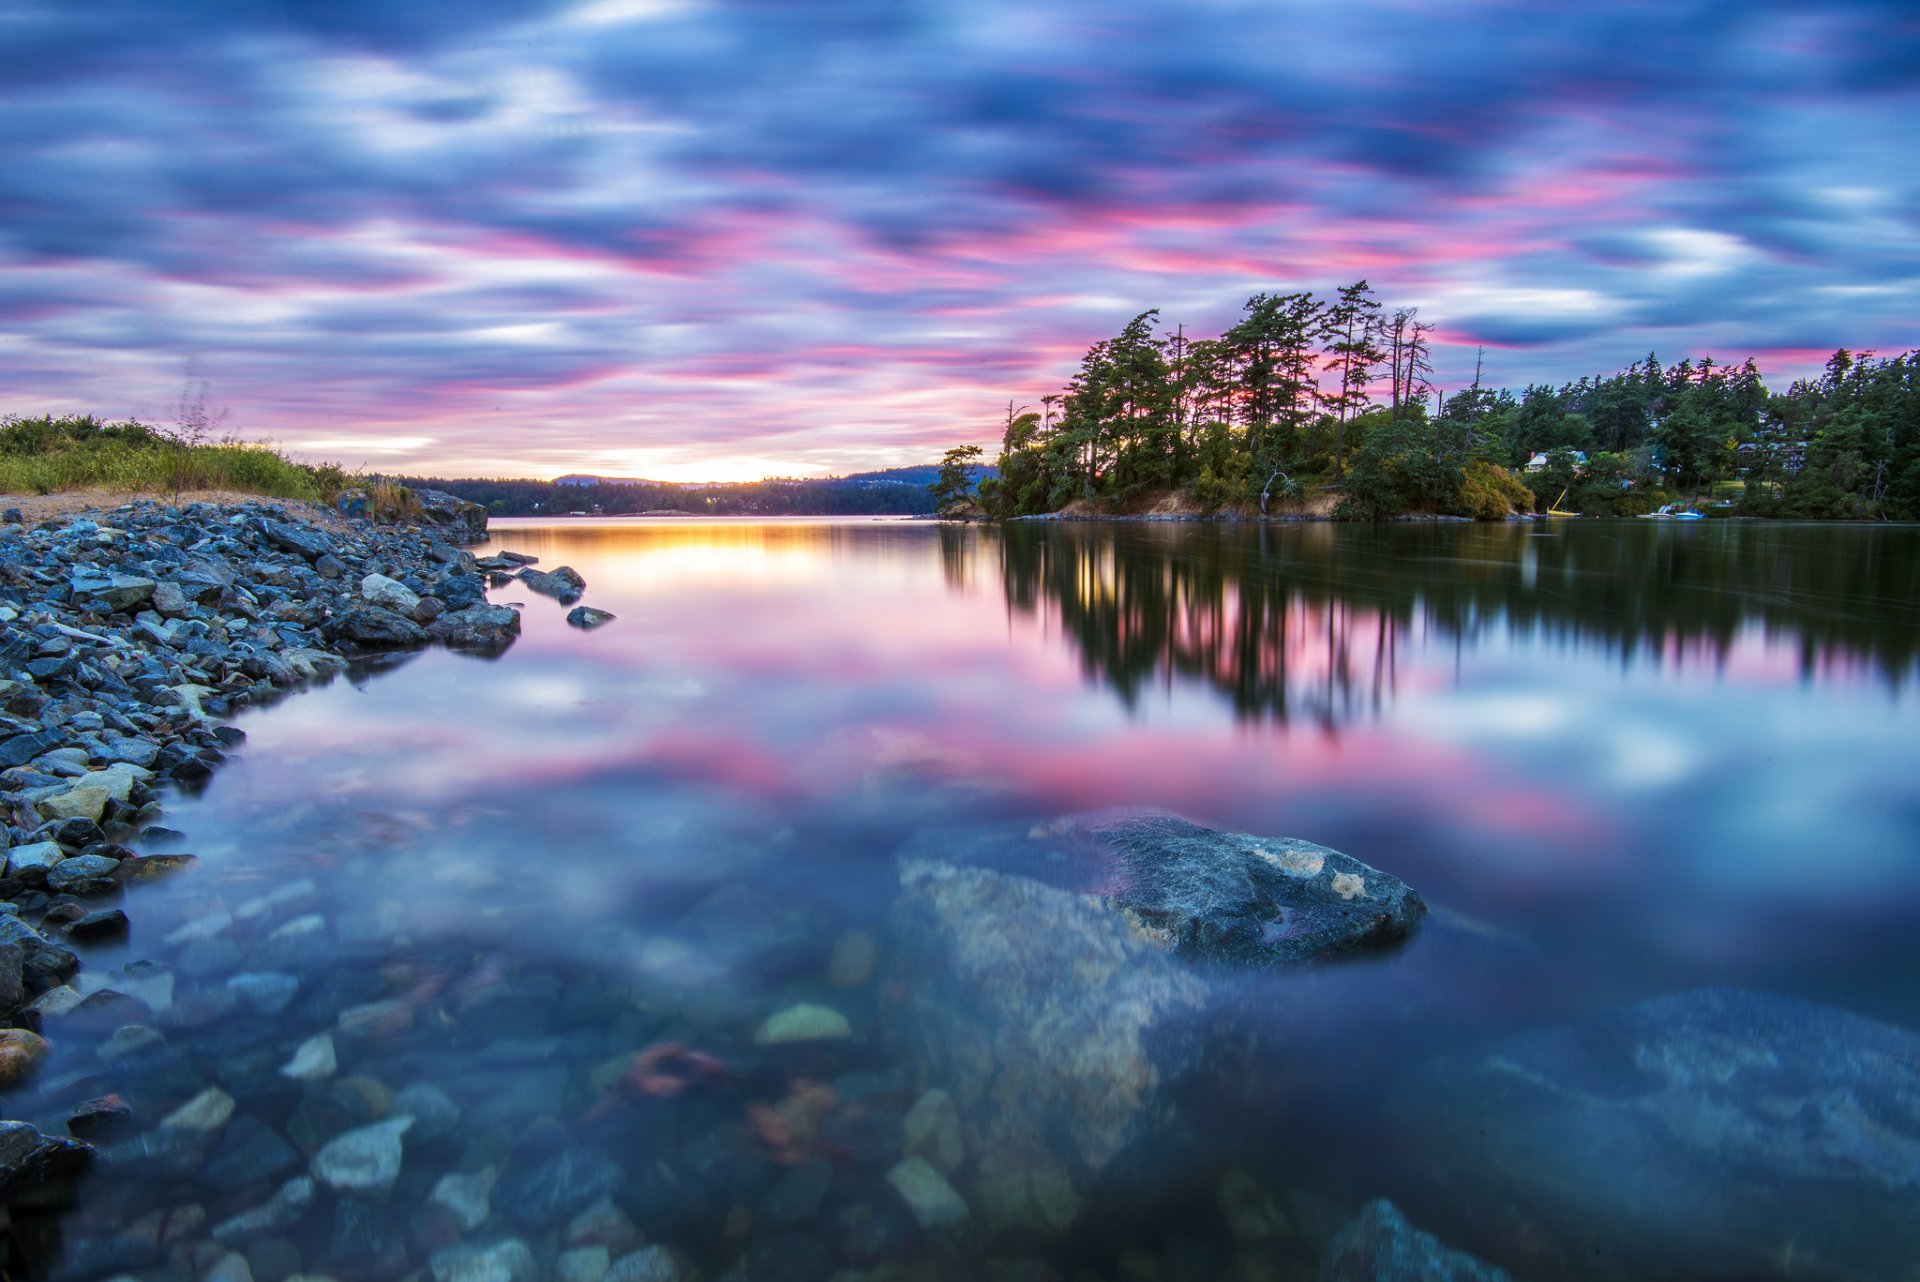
566, 888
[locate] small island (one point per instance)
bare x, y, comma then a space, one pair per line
1311, 407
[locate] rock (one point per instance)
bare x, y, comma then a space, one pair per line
30, 1161
99, 1120
562, 581
1220, 897
455, 518
376, 628
932, 1200
288, 1206
932, 1131
855, 954
85, 875
465, 1197
433, 1111
43, 964
1250, 1212
116, 592
587, 617
231, 1268
170, 601
1719, 1132
478, 627
302, 540
542, 1193
1380, 1246
1059, 1026
21, 1052
266, 992
648, 1264
249, 1152
582, 1264
313, 1062
804, 1022
364, 1161
389, 594
108, 923
508, 1261
31, 862
602, 1224
207, 1111
796, 1196
81, 801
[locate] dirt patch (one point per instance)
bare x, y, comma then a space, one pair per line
94, 502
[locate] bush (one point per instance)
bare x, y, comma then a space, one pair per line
1489, 492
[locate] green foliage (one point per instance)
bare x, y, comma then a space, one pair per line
1488, 492
955, 483
1278, 402
48, 455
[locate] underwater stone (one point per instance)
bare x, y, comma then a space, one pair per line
803, 1023
1714, 1132
508, 1261
366, 1160
1380, 1246
313, 1062
932, 1200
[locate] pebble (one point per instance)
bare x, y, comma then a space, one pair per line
365, 1161
508, 1261
465, 1196
207, 1111
932, 1131
803, 1023
648, 1264
21, 1052
855, 954
313, 1062
932, 1201
582, 1264
266, 992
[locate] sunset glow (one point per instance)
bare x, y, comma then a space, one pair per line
718, 240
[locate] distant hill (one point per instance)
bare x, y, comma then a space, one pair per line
896, 491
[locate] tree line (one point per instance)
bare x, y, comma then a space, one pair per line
1330, 404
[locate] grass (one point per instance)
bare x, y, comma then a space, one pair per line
48, 455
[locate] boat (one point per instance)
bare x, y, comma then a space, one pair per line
1673, 512
1555, 509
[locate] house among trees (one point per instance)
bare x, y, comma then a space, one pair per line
1539, 462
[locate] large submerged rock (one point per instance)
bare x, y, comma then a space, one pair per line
1713, 1133
1050, 981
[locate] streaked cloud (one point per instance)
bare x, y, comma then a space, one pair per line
528, 236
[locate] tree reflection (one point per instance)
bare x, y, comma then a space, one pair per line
1308, 623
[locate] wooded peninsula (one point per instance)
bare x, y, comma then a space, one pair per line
1328, 407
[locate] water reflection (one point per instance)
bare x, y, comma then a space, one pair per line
622, 922
1309, 623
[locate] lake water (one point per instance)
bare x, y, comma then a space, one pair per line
564, 891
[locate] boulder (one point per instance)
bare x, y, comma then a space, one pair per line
478, 627
116, 592
1719, 1132
1380, 1246
562, 581
587, 617
302, 540
1059, 983
454, 518
389, 594
376, 628
1037, 1009
30, 1161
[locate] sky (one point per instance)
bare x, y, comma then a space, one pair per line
722, 239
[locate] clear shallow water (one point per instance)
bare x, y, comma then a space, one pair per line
1618, 759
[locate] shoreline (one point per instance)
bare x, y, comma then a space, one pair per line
128, 636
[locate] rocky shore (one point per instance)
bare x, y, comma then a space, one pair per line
126, 639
